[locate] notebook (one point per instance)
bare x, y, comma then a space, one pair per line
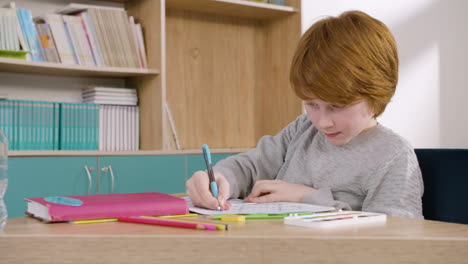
65, 208
241, 207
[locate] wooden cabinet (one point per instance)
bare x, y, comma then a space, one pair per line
224, 71
47, 176
149, 173
221, 66
54, 176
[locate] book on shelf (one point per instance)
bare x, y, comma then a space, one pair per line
76, 31
73, 8
38, 125
21, 37
139, 40
112, 33
9, 39
79, 125
91, 37
59, 33
81, 34
118, 127
110, 101
109, 95
30, 125
29, 31
47, 40
82, 207
101, 89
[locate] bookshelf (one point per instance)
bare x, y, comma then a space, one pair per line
222, 66
59, 69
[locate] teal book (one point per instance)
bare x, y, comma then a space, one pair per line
56, 126
28, 128
64, 127
95, 127
21, 124
89, 122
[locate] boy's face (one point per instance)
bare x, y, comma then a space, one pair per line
340, 124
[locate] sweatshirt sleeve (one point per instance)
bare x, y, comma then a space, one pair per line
260, 163
397, 188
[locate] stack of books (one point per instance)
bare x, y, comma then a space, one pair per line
110, 96
118, 117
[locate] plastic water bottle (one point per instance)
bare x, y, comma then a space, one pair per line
3, 177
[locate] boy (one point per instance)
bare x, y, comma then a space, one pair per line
345, 69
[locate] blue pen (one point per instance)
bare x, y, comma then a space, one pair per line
209, 168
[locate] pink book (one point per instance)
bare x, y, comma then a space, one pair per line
65, 208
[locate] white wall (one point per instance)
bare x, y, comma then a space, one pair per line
428, 108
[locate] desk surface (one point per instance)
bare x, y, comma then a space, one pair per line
27, 240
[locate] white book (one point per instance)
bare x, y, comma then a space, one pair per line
107, 98
141, 44
75, 8
92, 38
109, 89
137, 128
109, 128
47, 40
124, 127
134, 33
101, 128
62, 43
3, 29
79, 40
110, 95
123, 130
19, 32
105, 102
113, 128
8, 29
130, 128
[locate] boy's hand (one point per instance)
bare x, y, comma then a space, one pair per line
269, 191
198, 189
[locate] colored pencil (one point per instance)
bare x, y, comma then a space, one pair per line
94, 221
167, 222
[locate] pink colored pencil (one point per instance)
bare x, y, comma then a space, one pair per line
167, 222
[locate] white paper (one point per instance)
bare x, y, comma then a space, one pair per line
240, 207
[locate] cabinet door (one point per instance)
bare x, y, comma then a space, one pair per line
46, 176
149, 173
196, 162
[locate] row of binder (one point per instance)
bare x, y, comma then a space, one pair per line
37, 125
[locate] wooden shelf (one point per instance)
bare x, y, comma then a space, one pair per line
238, 8
48, 68
52, 153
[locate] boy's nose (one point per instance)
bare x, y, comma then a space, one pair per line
324, 122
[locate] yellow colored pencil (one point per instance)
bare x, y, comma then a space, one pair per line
94, 221
174, 216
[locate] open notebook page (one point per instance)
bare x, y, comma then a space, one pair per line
240, 207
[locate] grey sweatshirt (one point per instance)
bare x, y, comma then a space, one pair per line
377, 171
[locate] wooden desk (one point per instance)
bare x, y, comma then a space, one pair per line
26, 240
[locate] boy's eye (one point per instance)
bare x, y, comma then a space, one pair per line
338, 106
